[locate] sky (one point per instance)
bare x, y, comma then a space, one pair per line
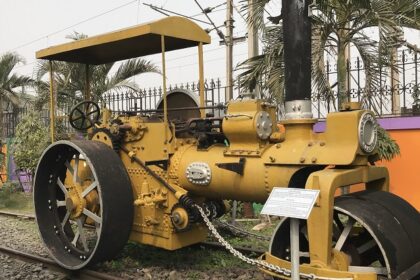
28, 26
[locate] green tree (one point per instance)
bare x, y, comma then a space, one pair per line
10, 82
337, 24
30, 140
70, 78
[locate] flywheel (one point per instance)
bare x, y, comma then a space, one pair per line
378, 231
83, 202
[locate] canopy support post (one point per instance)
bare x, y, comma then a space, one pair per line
87, 93
201, 79
165, 104
52, 103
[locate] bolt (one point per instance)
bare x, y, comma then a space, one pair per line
287, 250
49, 201
51, 175
81, 257
310, 144
69, 250
322, 144
55, 227
57, 232
314, 159
49, 207
302, 160
272, 159
65, 247
278, 146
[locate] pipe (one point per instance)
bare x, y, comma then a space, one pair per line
297, 57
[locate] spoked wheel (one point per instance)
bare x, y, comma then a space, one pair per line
378, 231
84, 115
83, 202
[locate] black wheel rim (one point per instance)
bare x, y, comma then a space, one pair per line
80, 219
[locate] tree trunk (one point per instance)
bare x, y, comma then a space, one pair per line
342, 81
1, 118
395, 82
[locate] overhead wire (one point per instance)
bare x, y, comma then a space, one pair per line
220, 33
71, 26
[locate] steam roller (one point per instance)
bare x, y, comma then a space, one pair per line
144, 177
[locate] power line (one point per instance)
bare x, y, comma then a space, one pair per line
165, 12
220, 33
207, 61
71, 26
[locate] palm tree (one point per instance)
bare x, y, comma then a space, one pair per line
9, 82
337, 24
70, 78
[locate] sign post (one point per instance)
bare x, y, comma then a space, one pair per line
295, 204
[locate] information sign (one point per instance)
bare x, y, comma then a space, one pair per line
290, 202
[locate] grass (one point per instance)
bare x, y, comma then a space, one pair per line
11, 198
194, 257
250, 241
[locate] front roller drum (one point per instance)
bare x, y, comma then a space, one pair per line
377, 231
83, 202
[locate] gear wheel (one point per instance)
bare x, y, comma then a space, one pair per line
105, 136
181, 218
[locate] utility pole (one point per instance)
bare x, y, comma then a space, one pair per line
253, 41
229, 49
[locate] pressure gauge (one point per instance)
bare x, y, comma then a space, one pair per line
368, 132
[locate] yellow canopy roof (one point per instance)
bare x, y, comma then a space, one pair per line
136, 41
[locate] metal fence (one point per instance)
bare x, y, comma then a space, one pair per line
149, 98
378, 99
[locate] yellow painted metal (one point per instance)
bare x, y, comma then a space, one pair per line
140, 40
327, 182
267, 164
255, 184
201, 78
261, 162
52, 103
154, 203
318, 271
240, 127
165, 99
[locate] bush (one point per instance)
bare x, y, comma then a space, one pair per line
387, 147
31, 139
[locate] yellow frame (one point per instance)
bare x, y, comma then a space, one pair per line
159, 36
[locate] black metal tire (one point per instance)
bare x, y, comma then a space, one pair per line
390, 221
115, 196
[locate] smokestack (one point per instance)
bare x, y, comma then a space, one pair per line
297, 57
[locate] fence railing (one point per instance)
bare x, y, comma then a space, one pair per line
379, 99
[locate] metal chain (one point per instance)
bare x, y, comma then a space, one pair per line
243, 232
259, 263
